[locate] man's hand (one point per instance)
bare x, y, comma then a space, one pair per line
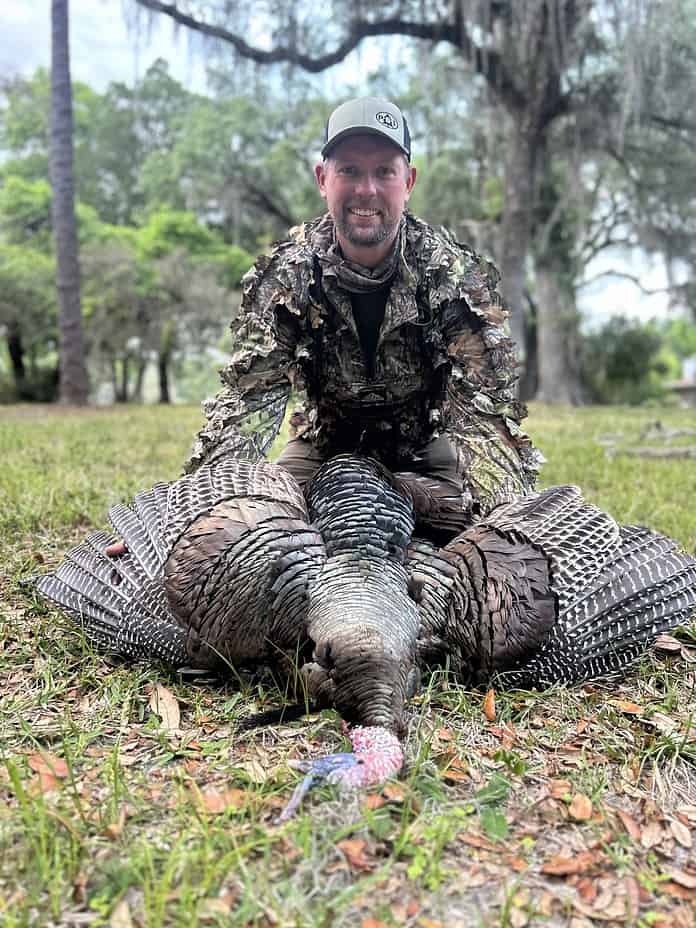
116, 549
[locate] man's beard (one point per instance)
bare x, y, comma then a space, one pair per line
372, 235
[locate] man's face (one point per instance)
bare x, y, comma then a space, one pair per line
366, 183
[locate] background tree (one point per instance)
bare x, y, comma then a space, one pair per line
74, 386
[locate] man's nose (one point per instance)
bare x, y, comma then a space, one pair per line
366, 184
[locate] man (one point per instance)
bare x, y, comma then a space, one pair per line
392, 330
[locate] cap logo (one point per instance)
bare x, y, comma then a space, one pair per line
387, 120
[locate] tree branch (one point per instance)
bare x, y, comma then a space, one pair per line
633, 279
485, 62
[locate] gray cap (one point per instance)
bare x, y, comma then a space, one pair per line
367, 116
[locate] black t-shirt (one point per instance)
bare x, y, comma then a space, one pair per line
368, 312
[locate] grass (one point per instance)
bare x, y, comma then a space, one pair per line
109, 818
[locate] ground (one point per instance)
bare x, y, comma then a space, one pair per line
129, 797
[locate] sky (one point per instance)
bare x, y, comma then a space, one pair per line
111, 40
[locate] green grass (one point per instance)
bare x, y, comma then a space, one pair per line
148, 827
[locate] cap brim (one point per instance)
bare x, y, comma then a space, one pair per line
361, 130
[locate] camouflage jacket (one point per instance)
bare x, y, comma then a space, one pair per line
444, 364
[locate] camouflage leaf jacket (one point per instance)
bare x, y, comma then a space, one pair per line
444, 363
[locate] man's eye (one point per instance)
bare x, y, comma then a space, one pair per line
346, 169
386, 172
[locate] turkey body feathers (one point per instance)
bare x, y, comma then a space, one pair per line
231, 563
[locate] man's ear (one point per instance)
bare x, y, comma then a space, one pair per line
320, 174
410, 181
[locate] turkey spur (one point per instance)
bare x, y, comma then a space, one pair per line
234, 563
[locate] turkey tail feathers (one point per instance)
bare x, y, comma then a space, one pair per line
646, 587
576, 537
122, 602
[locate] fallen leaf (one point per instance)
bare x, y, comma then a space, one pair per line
580, 807
632, 898
682, 877
48, 763
679, 892
582, 726
489, 705
562, 865
518, 864
651, 835
210, 910
456, 770
667, 643
354, 852
165, 704
474, 840
374, 801
255, 771
586, 889
43, 782
121, 915
559, 788
444, 734
394, 792
429, 923
681, 833
372, 923
628, 708
217, 801
630, 824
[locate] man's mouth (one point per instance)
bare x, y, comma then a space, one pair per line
363, 213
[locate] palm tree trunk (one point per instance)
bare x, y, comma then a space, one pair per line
74, 386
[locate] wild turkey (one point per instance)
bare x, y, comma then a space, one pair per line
233, 563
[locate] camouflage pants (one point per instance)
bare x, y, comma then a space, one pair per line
433, 477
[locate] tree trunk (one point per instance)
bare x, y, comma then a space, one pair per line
74, 385
15, 349
557, 338
164, 357
520, 179
137, 396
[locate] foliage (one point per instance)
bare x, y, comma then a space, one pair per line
622, 363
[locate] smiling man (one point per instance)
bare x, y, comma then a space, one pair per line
391, 332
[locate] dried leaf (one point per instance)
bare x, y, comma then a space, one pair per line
211, 910
457, 770
354, 851
628, 708
165, 704
374, 801
630, 824
681, 833
651, 835
632, 898
679, 892
562, 865
254, 770
559, 788
372, 923
43, 782
580, 807
45, 763
444, 734
121, 915
474, 840
682, 877
586, 889
667, 643
429, 923
489, 705
217, 801
394, 792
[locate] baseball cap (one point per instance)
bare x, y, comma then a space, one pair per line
367, 116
